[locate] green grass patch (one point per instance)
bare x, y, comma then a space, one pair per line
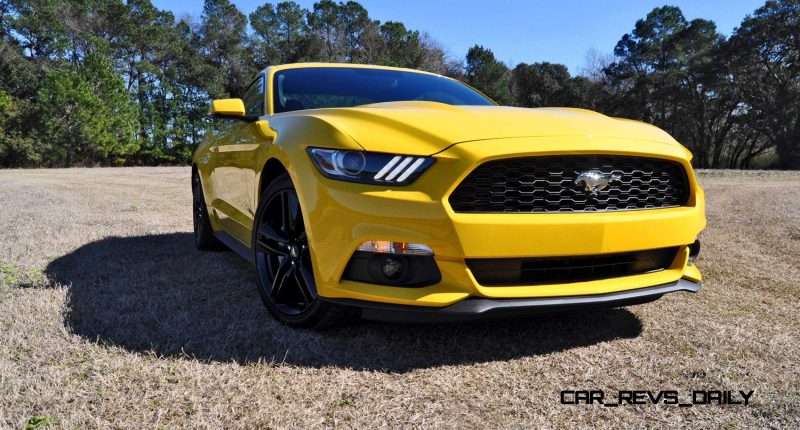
39, 422
12, 276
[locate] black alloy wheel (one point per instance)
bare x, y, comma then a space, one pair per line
283, 261
283, 256
204, 238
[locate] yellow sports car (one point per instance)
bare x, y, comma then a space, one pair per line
399, 194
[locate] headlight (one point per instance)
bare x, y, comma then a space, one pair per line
369, 167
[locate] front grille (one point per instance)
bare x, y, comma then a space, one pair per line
547, 184
561, 270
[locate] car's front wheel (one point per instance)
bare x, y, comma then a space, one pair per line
203, 232
283, 261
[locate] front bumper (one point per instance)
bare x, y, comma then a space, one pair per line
342, 215
478, 308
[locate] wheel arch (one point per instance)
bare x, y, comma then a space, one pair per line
271, 169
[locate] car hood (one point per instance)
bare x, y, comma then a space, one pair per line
425, 128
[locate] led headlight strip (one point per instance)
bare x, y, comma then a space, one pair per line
369, 167
403, 169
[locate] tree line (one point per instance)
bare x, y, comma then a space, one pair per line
113, 82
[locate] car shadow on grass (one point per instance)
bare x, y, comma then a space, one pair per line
157, 294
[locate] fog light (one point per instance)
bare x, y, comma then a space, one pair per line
388, 247
392, 268
398, 264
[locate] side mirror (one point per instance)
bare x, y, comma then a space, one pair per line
227, 108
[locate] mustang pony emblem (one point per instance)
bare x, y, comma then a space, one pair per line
595, 181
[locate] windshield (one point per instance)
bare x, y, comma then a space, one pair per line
325, 87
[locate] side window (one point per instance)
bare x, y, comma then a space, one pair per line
254, 98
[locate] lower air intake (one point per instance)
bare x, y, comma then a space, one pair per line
561, 270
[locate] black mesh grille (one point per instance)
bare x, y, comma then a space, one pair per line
558, 270
547, 184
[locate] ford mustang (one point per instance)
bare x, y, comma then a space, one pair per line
392, 194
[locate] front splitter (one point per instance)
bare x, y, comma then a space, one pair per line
481, 308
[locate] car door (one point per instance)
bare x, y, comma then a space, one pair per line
234, 175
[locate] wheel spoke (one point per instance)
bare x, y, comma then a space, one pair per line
305, 282
269, 233
294, 213
270, 241
271, 247
283, 272
285, 216
290, 213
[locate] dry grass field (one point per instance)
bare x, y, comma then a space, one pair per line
110, 319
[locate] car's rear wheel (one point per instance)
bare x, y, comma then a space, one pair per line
204, 238
283, 261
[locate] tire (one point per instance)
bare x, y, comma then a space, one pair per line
282, 259
204, 238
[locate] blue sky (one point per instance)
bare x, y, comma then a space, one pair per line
518, 31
